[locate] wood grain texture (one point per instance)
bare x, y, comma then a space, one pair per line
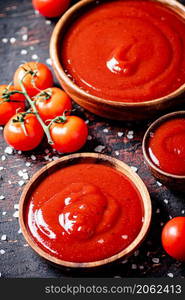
115, 138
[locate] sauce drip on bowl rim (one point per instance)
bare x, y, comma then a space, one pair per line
128, 51
84, 212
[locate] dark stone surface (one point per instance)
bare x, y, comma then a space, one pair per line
17, 18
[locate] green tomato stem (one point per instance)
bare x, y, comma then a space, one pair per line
32, 104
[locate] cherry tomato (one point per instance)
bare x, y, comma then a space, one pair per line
51, 8
173, 240
9, 104
70, 135
41, 78
49, 107
23, 134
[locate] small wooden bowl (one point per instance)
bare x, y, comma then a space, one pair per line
76, 159
176, 182
107, 108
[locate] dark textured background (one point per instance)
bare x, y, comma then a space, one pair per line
22, 29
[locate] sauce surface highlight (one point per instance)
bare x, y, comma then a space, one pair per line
84, 212
167, 147
128, 51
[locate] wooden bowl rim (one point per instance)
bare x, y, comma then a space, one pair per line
146, 138
123, 168
58, 66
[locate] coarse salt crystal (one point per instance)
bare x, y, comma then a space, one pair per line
99, 148
2, 197
19, 231
130, 136
134, 168
35, 56
9, 181
19, 152
1, 168
12, 40
25, 176
48, 22
120, 134
183, 211
48, 61
24, 52
125, 237
166, 201
170, 275
155, 260
3, 157
158, 183
33, 157
20, 173
21, 183
16, 206
4, 40
3, 237
1, 127
117, 152
2, 251
27, 164
105, 130
101, 241
4, 213
16, 214
25, 37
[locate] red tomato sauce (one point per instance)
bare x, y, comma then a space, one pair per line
84, 212
128, 51
167, 147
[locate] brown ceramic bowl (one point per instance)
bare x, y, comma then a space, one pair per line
174, 181
77, 159
107, 108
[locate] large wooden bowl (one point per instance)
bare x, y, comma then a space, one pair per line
77, 159
176, 182
107, 108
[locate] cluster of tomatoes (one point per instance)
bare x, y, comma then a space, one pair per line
32, 107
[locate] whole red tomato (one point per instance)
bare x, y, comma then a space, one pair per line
52, 103
23, 132
51, 8
173, 238
69, 135
40, 79
9, 103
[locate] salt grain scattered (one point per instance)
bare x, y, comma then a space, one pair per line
16, 214
16, 206
124, 261
12, 40
1, 168
155, 260
27, 164
134, 168
25, 176
120, 134
48, 22
3, 237
24, 52
4, 40
105, 130
33, 157
183, 211
117, 152
170, 275
48, 61
34, 56
21, 183
89, 137
101, 241
2, 251
99, 148
4, 213
9, 181
8, 150
3, 157
25, 37
87, 121
158, 183
19, 152
166, 201
20, 231
2, 197
20, 173
125, 237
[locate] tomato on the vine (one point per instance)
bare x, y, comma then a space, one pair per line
51, 8
52, 102
38, 77
173, 240
10, 102
23, 132
69, 134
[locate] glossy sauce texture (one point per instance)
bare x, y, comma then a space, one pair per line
167, 147
84, 213
129, 51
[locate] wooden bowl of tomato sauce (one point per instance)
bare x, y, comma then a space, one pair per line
85, 210
164, 149
122, 60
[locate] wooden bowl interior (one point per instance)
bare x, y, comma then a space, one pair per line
85, 158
